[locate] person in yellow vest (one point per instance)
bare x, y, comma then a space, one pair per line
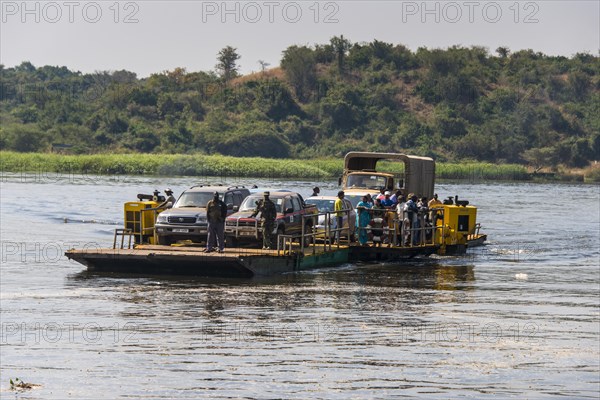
432, 205
434, 202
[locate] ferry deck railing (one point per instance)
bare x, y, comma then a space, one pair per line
396, 233
152, 229
474, 233
310, 238
325, 239
122, 232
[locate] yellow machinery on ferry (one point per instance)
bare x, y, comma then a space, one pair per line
139, 217
456, 226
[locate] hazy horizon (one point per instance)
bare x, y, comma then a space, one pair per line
149, 37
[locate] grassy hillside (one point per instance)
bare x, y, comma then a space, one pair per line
457, 105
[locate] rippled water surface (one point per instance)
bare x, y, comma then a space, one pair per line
517, 318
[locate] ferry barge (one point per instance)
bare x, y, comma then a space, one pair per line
135, 247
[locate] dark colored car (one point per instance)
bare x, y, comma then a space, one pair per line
241, 227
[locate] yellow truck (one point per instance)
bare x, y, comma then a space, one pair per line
455, 225
361, 175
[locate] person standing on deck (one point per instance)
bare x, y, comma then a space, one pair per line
381, 194
216, 212
338, 206
411, 212
387, 201
268, 213
401, 218
434, 202
396, 196
388, 204
378, 223
364, 217
316, 191
434, 205
423, 216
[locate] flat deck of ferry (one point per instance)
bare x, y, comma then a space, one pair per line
239, 261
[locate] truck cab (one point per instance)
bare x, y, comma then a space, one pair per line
361, 175
369, 180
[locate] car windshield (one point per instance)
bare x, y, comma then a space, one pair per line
322, 205
249, 203
195, 199
366, 181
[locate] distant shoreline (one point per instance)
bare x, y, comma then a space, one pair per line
225, 166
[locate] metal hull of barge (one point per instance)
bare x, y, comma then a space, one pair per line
244, 262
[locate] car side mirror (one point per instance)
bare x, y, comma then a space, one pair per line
235, 208
230, 206
289, 210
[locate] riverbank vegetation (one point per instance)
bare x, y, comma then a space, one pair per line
227, 166
458, 105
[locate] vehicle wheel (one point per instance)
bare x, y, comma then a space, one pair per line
164, 241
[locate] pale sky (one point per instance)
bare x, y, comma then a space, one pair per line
153, 36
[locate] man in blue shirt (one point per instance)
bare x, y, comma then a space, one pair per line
387, 202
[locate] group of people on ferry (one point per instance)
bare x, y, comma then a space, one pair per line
389, 212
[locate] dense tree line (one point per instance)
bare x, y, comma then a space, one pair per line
324, 100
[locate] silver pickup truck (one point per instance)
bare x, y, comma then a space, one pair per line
187, 218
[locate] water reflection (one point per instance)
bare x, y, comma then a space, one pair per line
364, 287
426, 274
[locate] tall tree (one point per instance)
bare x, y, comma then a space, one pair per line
300, 68
263, 65
227, 63
503, 52
340, 47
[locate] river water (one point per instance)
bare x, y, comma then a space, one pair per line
517, 318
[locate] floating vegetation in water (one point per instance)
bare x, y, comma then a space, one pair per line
19, 385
